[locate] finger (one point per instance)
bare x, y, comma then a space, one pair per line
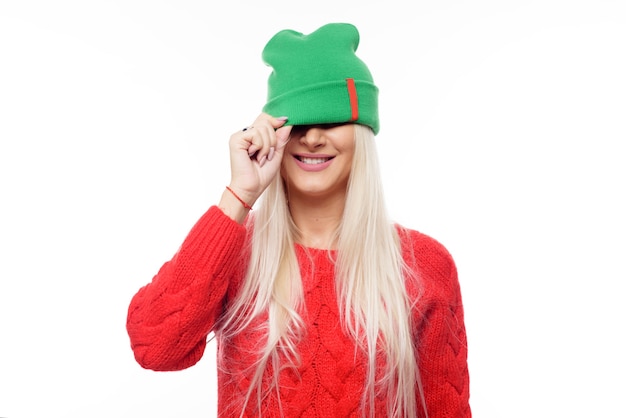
276, 122
279, 121
254, 139
247, 140
274, 125
268, 142
283, 136
260, 138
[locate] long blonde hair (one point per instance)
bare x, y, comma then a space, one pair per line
370, 277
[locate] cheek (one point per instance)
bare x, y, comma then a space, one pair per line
345, 144
294, 137
348, 152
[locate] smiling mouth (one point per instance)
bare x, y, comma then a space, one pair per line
316, 160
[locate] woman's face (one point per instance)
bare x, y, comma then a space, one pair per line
318, 159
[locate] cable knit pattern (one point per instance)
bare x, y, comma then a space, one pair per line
170, 318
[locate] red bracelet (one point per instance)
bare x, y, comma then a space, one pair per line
245, 205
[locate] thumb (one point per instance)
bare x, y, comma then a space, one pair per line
282, 136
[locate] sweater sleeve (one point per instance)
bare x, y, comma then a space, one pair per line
441, 336
170, 318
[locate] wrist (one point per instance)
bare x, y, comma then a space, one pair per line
233, 204
237, 196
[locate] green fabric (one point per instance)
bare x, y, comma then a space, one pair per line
308, 79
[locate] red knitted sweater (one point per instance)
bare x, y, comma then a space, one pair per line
170, 318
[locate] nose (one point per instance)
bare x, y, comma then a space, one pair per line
312, 136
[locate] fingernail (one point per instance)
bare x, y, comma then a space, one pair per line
263, 160
282, 118
270, 155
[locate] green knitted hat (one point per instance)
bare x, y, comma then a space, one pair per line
318, 78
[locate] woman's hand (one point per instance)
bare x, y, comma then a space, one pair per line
255, 158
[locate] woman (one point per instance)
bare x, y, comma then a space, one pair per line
319, 304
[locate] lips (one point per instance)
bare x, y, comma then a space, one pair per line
313, 162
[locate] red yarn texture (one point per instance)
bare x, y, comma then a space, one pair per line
170, 318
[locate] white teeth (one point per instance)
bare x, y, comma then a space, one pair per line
308, 160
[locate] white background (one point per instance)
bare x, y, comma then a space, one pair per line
503, 128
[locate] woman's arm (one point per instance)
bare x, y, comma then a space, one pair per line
439, 328
443, 359
170, 318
